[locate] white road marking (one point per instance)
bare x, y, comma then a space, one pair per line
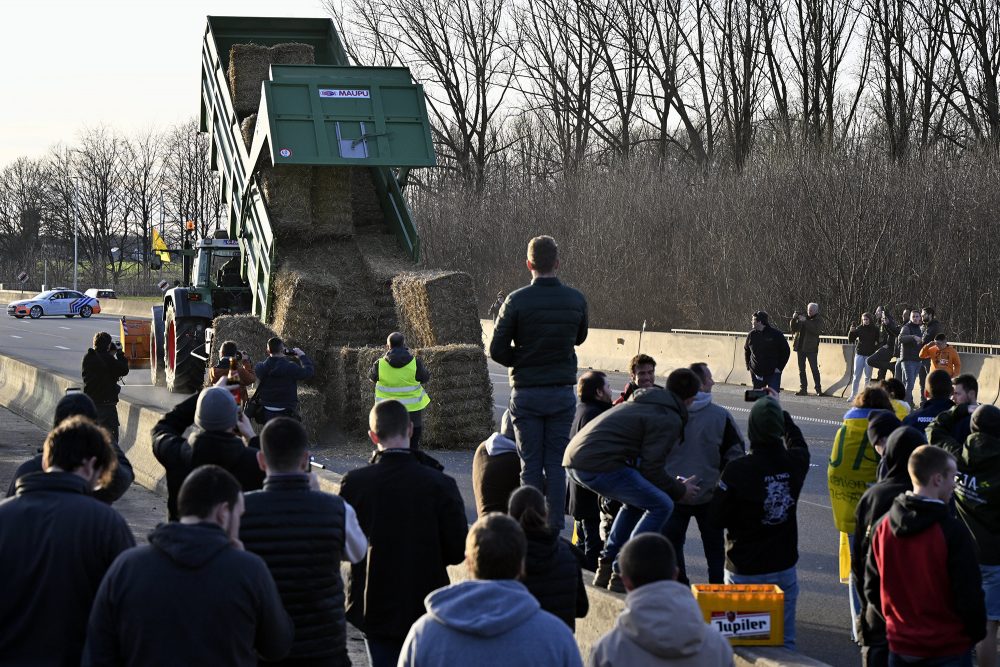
66, 328
814, 420
500, 407
60, 347
806, 502
14, 336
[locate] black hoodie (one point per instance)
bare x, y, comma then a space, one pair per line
187, 598
101, 371
876, 501
552, 574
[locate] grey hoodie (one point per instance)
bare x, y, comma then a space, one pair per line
485, 623
661, 625
711, 440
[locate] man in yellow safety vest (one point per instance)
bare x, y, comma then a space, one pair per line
398, 375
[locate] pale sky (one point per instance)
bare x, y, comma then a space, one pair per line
130, 65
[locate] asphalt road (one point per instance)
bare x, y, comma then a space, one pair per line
58, 344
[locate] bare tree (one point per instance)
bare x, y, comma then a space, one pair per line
22, 192
142, 178
189, 186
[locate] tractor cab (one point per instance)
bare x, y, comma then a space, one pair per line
217, 275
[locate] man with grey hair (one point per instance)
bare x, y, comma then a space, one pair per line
807, 329
535, 333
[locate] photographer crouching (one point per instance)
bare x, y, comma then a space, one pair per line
103, 365
235, 365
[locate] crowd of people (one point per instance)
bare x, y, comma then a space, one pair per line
247, 568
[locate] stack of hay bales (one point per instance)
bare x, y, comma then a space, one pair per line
358, 395
248, 332
437, 308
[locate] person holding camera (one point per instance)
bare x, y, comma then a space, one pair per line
807, 329
234, 365
278, 381
103, 365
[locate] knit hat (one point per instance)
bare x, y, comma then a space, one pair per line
507, 425
71, 405
767, 422
986, 419
216, 410
880, 424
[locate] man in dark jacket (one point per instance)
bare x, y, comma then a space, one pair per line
930, 327
71, 405
216, 417
955, 424
302, 534
622, 454
977, 496
278, 380
56, 542
875, 502
887, 332
864, 338
192, 596
756, 502
496, 469
937, 393
399, 375
807, 329
415, 521
103, 365
582, 504
922, 587
766, 351
534, 336
910, 341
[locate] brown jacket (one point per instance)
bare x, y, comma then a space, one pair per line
247, 377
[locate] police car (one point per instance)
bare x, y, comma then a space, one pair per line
59, 301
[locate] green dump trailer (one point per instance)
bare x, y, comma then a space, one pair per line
325, 114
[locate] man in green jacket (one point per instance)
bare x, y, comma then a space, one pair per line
535, 334
807, 329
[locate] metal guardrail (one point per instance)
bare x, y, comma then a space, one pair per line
969, 348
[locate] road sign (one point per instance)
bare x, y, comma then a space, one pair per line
22, 277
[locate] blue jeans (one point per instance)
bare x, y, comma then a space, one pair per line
712, 540
542, 418
911, 370
773, 381
383, 652
963, 660
645, 506
788, 581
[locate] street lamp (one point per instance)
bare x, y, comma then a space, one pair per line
76, 230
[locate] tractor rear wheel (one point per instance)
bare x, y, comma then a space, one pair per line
185, 373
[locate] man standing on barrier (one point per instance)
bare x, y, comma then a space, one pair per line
535, 333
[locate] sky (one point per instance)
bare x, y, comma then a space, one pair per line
129, 65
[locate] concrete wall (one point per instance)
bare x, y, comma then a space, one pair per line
611, 350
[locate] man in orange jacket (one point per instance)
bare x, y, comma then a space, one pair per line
942, 356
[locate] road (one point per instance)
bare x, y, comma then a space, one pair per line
58, 344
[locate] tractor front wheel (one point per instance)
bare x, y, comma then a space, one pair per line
184, 372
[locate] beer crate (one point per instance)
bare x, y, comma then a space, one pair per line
745, 614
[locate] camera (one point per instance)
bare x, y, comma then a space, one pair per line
289, 352
751, 395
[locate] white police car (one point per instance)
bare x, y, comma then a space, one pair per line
59, 301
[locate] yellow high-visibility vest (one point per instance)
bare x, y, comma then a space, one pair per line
400, 384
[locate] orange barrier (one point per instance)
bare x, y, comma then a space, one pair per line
135, 341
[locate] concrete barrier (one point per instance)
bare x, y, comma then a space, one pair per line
676, 350
988, 376
608, 349
835, 362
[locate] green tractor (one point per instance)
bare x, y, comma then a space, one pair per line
177, 356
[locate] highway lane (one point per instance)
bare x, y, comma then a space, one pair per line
58, 344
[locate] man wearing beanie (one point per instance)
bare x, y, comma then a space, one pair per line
223, 437
876, 501
756, 503
881, 424
977, 496
71, 405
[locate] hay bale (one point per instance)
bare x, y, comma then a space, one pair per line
437, 308
312, 408
249, 66
248, 332
247, 128
460, 415
331, 204
364, 199
358, 390
287, 191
